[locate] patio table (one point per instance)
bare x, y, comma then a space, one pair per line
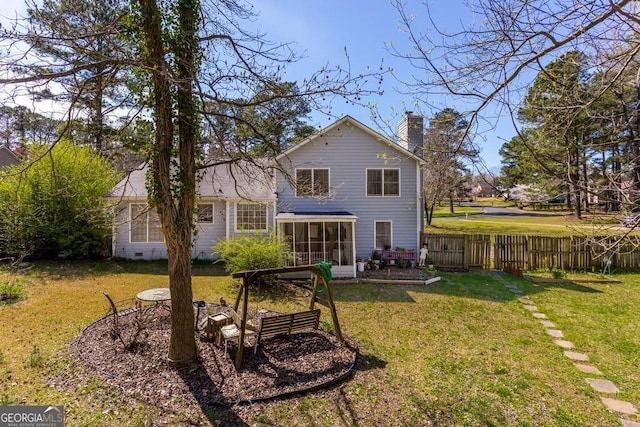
157, 296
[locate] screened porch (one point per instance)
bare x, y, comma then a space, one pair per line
313, 238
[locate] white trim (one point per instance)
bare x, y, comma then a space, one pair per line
375, 237
291, 217
419, 205
252, 230
146, 213
306, 222
213, 213
312, 169
226, 219
366, 183
351, 121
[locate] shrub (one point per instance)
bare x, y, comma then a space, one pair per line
558, 274
250, 252
11, 292
54, 206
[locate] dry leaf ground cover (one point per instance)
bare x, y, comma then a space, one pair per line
459, 352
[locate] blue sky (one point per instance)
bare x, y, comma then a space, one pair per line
321, 31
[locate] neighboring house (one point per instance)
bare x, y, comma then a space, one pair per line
336, 196
8, 157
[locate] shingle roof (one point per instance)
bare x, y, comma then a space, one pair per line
242, 180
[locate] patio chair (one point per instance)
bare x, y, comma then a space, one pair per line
232, 331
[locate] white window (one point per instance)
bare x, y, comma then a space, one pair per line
205, 213
251, 217
312, 182
383, 182
383, 234
145, 224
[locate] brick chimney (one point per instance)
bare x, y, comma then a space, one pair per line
410, 133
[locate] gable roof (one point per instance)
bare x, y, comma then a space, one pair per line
241, 180
350, 120
8, 157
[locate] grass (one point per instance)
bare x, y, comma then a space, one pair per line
460, 352
559, 223
548, 224
11, 292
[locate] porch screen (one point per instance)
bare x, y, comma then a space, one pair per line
315, 241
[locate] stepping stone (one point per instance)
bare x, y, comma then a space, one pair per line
588, 369
548, 324
555, 333
531, 307
602, 386
539, 315
619, 406
564, 344
576, 356
525, 300
517, 292
629, 423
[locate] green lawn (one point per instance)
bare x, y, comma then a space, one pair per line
543, 223
460, 352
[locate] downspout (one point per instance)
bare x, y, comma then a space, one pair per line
353, 248
228, 220
419, 209
113, 232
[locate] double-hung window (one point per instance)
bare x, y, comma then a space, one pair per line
205, 213
251, 217
145, 224
383, 234
383, 182
312, 182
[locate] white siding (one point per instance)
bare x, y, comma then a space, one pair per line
209, 234
123, 247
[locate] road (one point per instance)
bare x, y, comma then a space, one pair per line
502, 211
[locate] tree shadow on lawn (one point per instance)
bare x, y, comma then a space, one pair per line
217, 414
81, 269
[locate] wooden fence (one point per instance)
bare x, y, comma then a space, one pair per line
525, 252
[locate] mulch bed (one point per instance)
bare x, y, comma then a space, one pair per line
282, 366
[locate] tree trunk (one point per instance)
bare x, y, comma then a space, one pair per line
182, 345
574, 179
176, 213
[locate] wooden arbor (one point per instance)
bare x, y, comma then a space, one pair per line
250, 276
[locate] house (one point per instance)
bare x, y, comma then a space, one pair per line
336, 196
233, 199
356, 192
7, 157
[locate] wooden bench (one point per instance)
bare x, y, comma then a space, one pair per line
287, 324
407, 255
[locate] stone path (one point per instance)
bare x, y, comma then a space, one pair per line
600, 385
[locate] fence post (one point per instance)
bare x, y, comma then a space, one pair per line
466, 253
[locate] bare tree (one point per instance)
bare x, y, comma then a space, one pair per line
448, 153
490, 61
190, 54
